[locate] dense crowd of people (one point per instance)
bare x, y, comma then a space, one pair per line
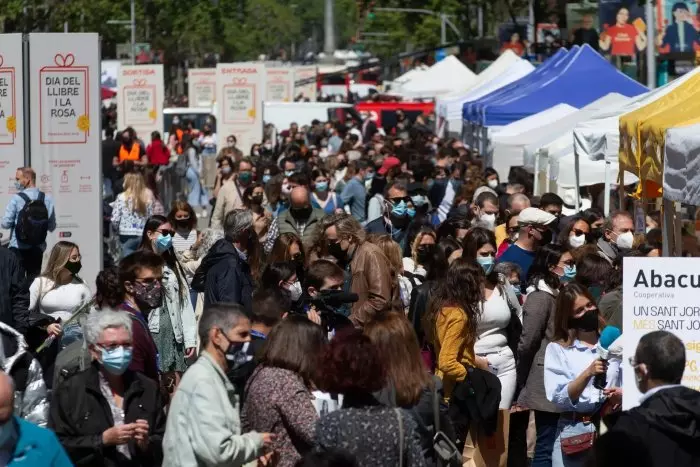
357, 298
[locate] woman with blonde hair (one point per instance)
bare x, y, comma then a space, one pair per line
54, 297
130, 211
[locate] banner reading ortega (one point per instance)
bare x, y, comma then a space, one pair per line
140, 99
279, 85
11, 114
201, 86
660, 294
240, 87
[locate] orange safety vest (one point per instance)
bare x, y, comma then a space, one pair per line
178, 146
133, 155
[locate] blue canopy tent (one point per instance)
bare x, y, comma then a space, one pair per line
586, 78
473, 134
470, 110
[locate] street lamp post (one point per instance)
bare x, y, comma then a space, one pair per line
132, 25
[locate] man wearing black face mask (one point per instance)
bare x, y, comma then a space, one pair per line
142, 273
300, 219
534, 225
323, 298
398, 213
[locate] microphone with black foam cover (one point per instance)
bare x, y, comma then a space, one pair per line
609, 335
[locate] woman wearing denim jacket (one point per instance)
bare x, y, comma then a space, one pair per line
570, 364
173, 325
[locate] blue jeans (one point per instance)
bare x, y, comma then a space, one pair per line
565, 429
197, 195
546, 424
130, 244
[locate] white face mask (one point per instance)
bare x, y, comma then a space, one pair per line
295, 291
625, 241
488, 221
576, 241
493, 184
286, 189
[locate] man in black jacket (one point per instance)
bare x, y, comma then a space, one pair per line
224, 275
664, 429
14, 292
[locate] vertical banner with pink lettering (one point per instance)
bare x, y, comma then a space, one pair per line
305, 82
140, 96
279, 84
240, 88
64, 83
11, 115
201, 87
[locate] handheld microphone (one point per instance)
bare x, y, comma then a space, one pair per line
607, 337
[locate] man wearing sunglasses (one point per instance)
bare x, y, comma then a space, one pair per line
663, 429
398, 213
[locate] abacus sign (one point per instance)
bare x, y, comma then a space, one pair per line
240, 88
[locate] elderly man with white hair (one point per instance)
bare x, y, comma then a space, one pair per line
108, 415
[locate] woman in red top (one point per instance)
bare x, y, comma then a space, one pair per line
157, 152
622, 38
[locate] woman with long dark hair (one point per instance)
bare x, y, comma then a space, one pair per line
173, 325
538, 331
570, 364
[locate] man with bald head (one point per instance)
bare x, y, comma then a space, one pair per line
21, 442
516, 203
301, 219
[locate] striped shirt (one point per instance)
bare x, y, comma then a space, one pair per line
183, 241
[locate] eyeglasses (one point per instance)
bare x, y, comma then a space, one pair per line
112, 347
182, 218
149, 281
166, 232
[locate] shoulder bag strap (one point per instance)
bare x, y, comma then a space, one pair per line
41, 197
436, 411
398, 416
24, 197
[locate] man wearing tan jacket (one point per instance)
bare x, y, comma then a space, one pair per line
231, 193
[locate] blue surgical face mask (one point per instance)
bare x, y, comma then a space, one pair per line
399, 209
569, 273
116, 360
411, 212
288, 173
322, 186
369, 176
266, 178
18, 186
487, 263
163, 243
419, 200
516, 290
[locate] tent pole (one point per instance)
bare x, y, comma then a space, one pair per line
651, 51
577, 174
666, 239
536, 184
606, 195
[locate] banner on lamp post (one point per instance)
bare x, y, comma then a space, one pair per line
201, 87
279, 84
240, 89
64, 83
140, 99
308, 90
11, 115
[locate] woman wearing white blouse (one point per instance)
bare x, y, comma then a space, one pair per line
58, 292
570, 364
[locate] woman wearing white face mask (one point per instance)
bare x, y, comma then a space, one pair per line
492, 180
575, 233
284, 276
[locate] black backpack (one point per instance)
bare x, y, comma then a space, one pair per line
33, 221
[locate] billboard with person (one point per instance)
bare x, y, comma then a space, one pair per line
677, 26
623, 29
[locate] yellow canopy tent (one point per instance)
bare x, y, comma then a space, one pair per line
642, 134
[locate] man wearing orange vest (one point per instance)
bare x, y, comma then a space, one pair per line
131, 149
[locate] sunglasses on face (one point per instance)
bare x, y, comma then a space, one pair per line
579, 232
166, 232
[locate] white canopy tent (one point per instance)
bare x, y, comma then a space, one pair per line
506, 69
508, 141
447, 75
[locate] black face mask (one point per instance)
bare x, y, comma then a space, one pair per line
342, 164
300, 214
335, 250
399, 222
588, 322
596, 233
73, 267
257, 199
126, 141
182, 223
546, 237
423, 254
